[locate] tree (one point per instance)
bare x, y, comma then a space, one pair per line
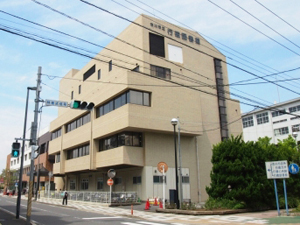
239, 173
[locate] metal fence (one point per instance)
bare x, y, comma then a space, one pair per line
101, 197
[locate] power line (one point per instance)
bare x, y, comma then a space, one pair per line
254, 28
200, 36
277, 16
264, 23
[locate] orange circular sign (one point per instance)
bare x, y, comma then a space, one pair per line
162, 166
110, 182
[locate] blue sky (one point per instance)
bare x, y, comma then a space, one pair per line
20, 57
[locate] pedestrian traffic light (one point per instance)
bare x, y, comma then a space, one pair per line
76, 104
36, 151
15, 152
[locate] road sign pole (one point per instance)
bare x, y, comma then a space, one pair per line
276, 196
110, 194
164, 186
285, 198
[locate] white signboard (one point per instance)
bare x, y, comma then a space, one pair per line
56, 103
277, 170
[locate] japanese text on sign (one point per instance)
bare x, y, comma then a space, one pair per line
277, 170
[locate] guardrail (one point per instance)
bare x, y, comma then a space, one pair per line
101, 197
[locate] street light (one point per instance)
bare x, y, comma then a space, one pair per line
174, 122
295, 135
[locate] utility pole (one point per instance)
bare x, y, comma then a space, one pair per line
33, 142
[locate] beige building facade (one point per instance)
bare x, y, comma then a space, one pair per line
152, 72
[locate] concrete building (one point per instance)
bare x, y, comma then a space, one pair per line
152, 72
276, 122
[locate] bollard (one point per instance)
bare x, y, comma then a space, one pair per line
131, 209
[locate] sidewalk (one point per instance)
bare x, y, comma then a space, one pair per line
171, 216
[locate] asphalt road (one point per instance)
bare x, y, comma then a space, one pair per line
45, 214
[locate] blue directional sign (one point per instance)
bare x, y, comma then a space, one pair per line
293, 168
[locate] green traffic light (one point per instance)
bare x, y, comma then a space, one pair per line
15, 153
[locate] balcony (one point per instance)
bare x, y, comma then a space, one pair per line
124, 155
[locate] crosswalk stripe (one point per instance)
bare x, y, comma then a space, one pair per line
102, 218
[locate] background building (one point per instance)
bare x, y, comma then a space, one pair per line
277, 122
152, 72
44, 162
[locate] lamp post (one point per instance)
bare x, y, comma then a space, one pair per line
295, 135
174, 122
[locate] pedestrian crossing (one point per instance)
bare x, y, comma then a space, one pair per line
159, 218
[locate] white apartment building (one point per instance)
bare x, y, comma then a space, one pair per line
277, 122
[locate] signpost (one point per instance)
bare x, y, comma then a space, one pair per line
163, 167
111, 174
278, 170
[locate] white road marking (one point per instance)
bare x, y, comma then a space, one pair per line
102, 218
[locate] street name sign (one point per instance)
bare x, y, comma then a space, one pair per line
277, 169
56, 103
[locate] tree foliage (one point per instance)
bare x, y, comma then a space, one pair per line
239, 172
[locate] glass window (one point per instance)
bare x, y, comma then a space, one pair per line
72, 95
159, 179
156, 45
160, 72
197, 41
136, 138
262, 118
99, 74
137, 180
84, 184
278, 113
170, 32
248, 122
191, 39
57, 159
118, 180
177, 34
146, 99
110, 65
136, 97
118, 102
281, 131
72, 185
79, 89
100, 183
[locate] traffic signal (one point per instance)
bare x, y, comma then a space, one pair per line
76, 104
15, 152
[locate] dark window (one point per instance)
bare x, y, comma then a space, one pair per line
137, 180
78, 152
118, 180
177, 34
157, 45
99, 74
161, 72
185, 179
197, 41
56, 134
131, 96
159, 179
90, 72
79, 89
170, 32
78, 122
121, 139
110, 65
72, 95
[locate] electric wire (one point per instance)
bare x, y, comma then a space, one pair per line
265, 24
207, 37
254, 28
277, 16
100, 8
